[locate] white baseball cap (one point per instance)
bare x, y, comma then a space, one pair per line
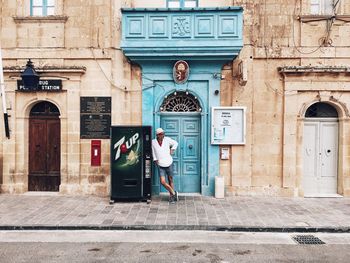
159, 131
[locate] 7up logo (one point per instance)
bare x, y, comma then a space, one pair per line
124, 147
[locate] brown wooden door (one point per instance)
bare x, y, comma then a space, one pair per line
44, 154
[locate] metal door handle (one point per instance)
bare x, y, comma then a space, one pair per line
190, 146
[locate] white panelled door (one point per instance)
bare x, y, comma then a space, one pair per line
320, 158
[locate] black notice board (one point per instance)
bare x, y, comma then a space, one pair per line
95, 117
44, 85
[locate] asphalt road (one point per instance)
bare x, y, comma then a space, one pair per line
168, 246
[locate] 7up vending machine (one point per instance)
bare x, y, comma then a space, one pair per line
131, 163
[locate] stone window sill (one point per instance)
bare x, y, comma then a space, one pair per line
40, 19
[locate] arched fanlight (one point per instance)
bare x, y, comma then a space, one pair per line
180, 101
321, 110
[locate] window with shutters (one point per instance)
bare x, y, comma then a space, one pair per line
42, 7
181, 3
322, 7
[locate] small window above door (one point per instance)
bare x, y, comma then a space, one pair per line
321, 110
44, 108
182, 3
180, 101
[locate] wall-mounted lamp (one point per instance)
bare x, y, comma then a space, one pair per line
29, 77
218, 76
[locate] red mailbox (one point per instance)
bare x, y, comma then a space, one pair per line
95, 152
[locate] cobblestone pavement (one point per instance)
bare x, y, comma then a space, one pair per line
190, 212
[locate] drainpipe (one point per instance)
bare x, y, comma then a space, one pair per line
2, 84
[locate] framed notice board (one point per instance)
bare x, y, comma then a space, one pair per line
228, 125
95, 117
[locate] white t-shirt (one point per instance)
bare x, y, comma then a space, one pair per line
162, 153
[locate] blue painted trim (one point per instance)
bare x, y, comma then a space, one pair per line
194, 9
157, 82
191, 51
205, 37
190, 34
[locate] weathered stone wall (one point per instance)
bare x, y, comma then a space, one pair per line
276, 34
78, 35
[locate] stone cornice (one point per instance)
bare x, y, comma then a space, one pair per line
339, 52
195, 9
59, 53
313, 69
49, 69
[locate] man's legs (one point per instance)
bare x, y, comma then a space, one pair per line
170, 174
169, 187
171, 181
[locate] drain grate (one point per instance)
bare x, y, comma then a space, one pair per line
308, 240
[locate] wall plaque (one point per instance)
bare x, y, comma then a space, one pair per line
95, 117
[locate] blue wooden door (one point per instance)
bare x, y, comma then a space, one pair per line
185, 129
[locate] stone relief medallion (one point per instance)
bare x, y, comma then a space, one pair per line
181, 72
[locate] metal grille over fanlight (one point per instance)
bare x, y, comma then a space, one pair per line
180, 101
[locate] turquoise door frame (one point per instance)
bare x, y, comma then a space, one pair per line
207, 38
157, 82
185, 129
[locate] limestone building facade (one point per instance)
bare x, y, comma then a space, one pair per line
283, 65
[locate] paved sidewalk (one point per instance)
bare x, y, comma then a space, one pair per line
189, 213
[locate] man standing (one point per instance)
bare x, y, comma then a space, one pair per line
162, 149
